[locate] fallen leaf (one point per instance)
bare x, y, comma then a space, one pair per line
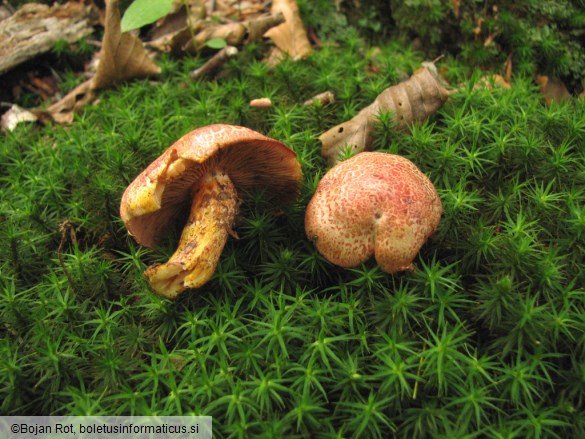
16, 115
552, 89
63, 110
413, 100
290, 37
122, 56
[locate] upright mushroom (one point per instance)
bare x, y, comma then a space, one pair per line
373, 204
209, 169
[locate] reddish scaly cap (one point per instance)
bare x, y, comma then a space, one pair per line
157, 196
373, 204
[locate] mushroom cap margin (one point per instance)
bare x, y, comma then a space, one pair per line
157, 196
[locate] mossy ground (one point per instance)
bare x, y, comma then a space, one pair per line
486, 338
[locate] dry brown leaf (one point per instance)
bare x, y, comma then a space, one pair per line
16, 115
552, 89
290, 37
411, 101
122, 56
63, 110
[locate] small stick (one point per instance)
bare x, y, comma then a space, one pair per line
214, 62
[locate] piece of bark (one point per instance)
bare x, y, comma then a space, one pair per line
413, 100
214, 62
34, 29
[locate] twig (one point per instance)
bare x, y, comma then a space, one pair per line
214, 62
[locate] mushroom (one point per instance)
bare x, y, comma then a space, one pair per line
209, 169
373, 204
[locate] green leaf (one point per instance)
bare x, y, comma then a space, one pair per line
216, 43
143, 12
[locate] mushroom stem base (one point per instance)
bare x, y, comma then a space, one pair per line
214, 208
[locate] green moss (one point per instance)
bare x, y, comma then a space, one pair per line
486, 337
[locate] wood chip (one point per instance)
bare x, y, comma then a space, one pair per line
324, 98
261, 103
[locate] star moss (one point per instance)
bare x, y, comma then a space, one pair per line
486, 337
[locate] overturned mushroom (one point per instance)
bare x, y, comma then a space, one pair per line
374, 204
209, 169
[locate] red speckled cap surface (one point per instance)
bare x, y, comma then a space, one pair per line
374, 204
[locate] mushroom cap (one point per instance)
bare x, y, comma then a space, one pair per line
157, 197
373, 204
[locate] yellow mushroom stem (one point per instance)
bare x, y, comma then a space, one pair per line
214, 208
